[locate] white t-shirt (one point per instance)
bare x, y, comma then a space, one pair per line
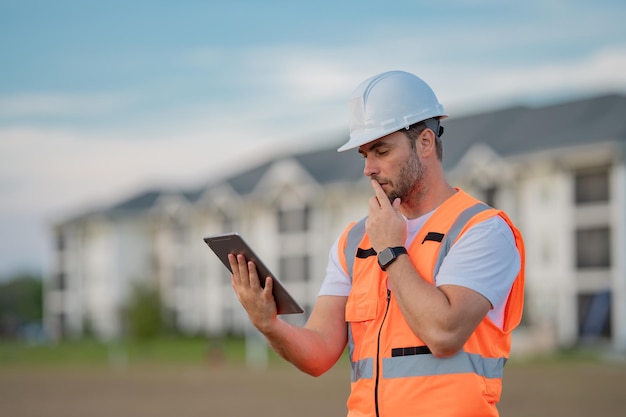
484, 259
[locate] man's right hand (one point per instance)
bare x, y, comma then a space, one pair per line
258, 302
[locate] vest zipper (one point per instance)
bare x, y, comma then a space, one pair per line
378, 353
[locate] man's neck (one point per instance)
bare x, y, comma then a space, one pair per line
426, 201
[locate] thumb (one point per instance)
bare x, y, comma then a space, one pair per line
396, 204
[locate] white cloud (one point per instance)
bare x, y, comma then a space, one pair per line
323, 78
52, 171
597, 73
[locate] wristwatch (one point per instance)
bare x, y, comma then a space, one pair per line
388, 255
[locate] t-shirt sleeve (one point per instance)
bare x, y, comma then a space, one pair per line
484, 259
336, 281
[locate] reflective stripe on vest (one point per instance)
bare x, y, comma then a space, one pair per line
428, 365
361, 369
355, 235
454, 232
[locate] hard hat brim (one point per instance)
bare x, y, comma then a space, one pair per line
370, 135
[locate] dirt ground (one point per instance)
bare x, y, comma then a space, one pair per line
571, 390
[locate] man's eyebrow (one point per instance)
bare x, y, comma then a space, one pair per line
373, 147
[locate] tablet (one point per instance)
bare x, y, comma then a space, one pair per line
233, 243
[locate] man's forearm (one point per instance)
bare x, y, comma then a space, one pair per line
303, 347
443, 317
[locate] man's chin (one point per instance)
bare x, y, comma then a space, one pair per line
392, 196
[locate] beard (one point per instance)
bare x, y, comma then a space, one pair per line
408, 182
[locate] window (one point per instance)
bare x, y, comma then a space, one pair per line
60, 242
228, 224
293, 220
294, 268
591, 186
226, 219
594, 315
59, 281
178, 276
229, 321
61, 322
489, 194
593, 248
179, 230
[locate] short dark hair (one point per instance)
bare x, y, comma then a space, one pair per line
415, 130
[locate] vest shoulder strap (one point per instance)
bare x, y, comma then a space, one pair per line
354, 237
455, 231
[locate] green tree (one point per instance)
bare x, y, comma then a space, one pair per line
143, 314
20, 303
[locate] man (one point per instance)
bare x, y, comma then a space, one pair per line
425, 291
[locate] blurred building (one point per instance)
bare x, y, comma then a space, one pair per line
558, 171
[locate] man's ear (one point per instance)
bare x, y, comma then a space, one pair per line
427, 143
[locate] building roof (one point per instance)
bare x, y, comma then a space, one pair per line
328, 165
244, 182
137, 202
520, 130
510, 131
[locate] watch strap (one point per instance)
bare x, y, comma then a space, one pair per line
395, 252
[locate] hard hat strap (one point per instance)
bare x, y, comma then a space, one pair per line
434, 124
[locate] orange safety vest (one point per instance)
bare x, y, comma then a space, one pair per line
393, 373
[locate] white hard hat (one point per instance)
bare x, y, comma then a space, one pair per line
389, 102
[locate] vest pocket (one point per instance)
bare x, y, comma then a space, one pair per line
360, 313
359, 308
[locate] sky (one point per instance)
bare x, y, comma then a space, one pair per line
101, 100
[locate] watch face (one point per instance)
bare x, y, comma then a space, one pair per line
385, 257
388, 255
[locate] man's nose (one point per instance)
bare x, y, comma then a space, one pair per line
371, 168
